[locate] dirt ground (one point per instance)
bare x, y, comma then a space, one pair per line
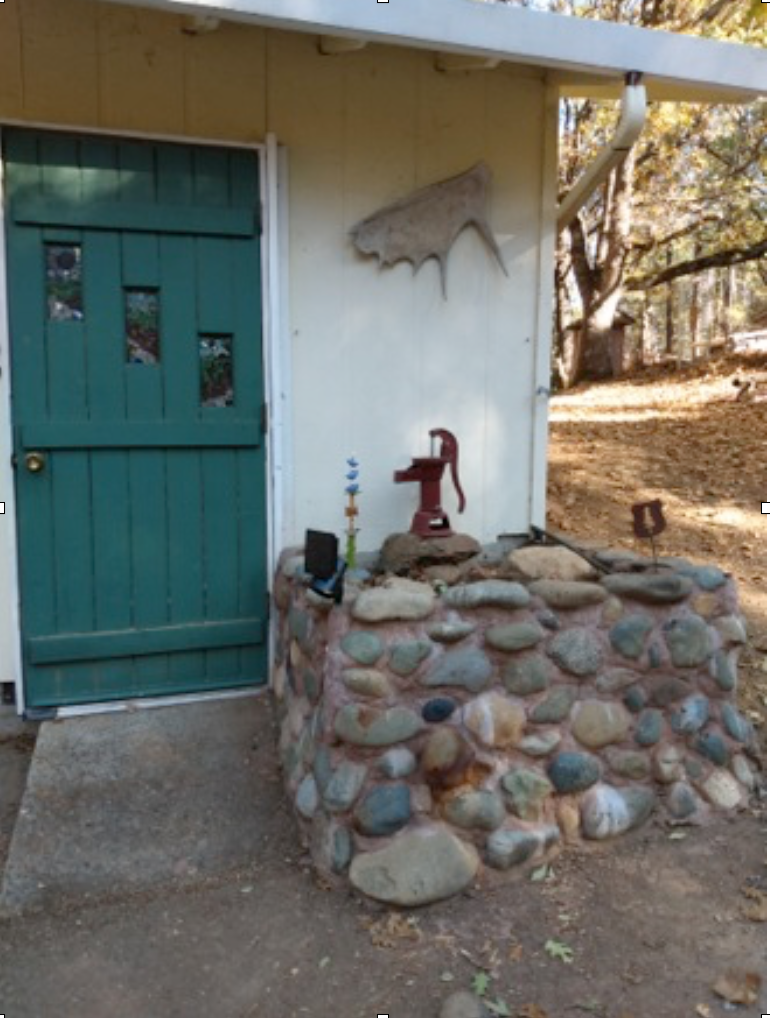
644, 927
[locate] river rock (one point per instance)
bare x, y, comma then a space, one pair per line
492, 593
396, 600
344, 785
682, 802
540, 743
608, 811
627, 763
667, 765
464, 1004
713, 747
407, 657
635, 699
597, 723
548, 563
450, 630
743, 771
513, 636
724, 668
649, 728
629, 635
362, 725
615, 679
732, 628
363, 647
467, 667
367, 682
445, 751
668, 689
651, 588
384, 810
506, 848
527, 674
577, 651
573, 772
525, 792
495, 720
398, 762
478, 808
331, 845
403, 552
416, 867
691, 716
736, 725
568, 593
438, 709
555, 707
689, 641
722, 790
306, 799
707, 577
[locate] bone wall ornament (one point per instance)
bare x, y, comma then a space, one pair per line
426, 223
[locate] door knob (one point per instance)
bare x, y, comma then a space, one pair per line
35, 462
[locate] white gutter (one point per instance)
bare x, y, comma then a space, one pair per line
633, 114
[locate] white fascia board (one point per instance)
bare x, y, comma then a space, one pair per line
709, 69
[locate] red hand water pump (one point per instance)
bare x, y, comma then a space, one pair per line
431, 520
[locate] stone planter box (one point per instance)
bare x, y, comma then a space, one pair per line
428, 731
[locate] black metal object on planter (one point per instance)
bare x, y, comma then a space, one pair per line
324, 564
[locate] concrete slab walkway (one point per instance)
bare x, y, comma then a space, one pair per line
126, 801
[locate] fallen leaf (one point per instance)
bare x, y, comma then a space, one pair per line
480, 984
498, 1007
446, 977
541, 873
531, 1011
703, 1010
738, 986
515, 952
387, 932
558, 949
757, 910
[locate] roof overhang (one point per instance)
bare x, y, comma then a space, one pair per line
583, 57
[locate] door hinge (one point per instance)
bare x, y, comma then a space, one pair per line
264, 418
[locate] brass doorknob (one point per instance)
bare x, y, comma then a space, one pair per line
35, 462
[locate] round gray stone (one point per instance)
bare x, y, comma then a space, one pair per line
724, 669
628, 636
606, 811
493, 593
396, 600
573, 772
668, 689
477, 808
736, 725
407, 657
555, 707
578, 651
525, 792
398, 762
416, 867
344, 785
507, 848
732, 628
597, 723
527, 674
627, 763
651, 588
713, 747
363, 647
691, 716
384, 810
689, 641
367, 682
551, 563
615, 679
331, 845
667, 765
464, 1004
449, 631
306, 799
682, 802
513, 636
467, 667
362, 725
649, 728
540, 743
568, 593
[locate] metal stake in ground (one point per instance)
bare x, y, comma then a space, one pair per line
657, 523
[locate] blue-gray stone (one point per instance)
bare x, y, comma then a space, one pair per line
573, 772
577, 651
384, 810
635, 699
548, 620
322, 767
649, 729
607, 811
398, 762
311, 684
540, 743
682, 802
668, 689
695, 768
306, 799
363, 647
438, 709
652, 588
555, 707
362, 725
525, 792
407, 657
654, 655
725, 671
493, 593
331, 845
691, 716
707, 577
301, 628
344, 785
713, 747
526, 674
628, 636
467, 667
506, 848
615, 679
689, 641
629, 764
450, 630
477, 808
736, 725
513, 636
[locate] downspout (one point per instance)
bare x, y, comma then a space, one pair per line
633, 113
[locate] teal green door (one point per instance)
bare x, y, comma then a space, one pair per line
135, 316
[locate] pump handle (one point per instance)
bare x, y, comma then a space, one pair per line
449, 452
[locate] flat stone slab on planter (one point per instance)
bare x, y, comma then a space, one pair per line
652, 588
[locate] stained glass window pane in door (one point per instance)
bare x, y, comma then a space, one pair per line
142, 308
216, 360
64, 282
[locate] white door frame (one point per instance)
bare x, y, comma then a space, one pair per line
276, 374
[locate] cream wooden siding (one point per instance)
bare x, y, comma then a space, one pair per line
379, 357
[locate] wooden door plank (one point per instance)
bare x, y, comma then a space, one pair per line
247, 313
179, 332
137, 172
211, 177
105, 332
60, 163
215, 287
175, 178
220, 535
